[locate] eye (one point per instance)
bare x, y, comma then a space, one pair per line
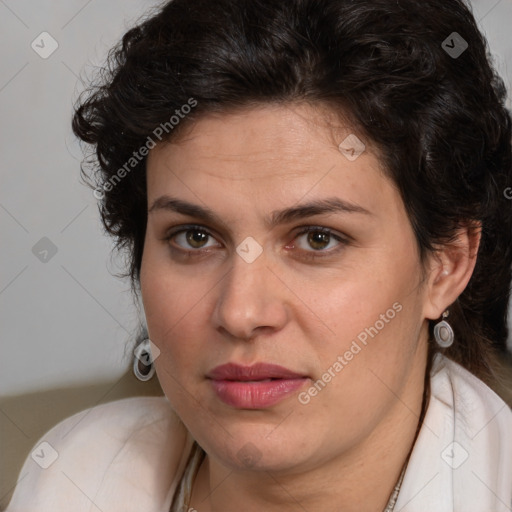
319, 239
312, 241
191, 237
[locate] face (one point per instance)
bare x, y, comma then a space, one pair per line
266, 243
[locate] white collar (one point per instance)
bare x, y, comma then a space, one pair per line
462, 459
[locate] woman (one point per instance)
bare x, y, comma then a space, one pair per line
311, 194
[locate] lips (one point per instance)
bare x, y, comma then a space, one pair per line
254, 387
256, 372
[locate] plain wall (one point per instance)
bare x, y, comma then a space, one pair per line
67, 320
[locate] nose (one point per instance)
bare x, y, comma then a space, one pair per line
251, 300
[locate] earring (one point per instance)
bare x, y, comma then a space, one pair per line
143, 366
443, 332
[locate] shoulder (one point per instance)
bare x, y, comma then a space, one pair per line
473, 414
122, 455
455, 387
462, 458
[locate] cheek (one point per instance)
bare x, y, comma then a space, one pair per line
365, 300
366, 332
169, 294
172, 316
171, 303
377, 335
366, 364
373, 316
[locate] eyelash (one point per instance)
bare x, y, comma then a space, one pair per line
312, 255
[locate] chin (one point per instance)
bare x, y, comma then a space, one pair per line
252, 449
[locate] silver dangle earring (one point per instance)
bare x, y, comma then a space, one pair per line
143, 366
443, 332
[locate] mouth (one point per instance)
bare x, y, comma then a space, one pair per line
254, 387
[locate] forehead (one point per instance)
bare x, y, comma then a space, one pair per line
264, 158
266, 142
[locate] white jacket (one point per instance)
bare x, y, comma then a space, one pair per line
128, 455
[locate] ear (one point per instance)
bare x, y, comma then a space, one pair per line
451, 267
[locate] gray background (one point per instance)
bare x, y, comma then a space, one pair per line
67, 320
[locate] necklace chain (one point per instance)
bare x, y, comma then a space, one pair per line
396, 491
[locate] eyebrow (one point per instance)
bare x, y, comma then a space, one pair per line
317, 207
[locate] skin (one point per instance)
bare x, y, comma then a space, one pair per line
345, 449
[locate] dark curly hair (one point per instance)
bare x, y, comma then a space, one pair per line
434, 108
